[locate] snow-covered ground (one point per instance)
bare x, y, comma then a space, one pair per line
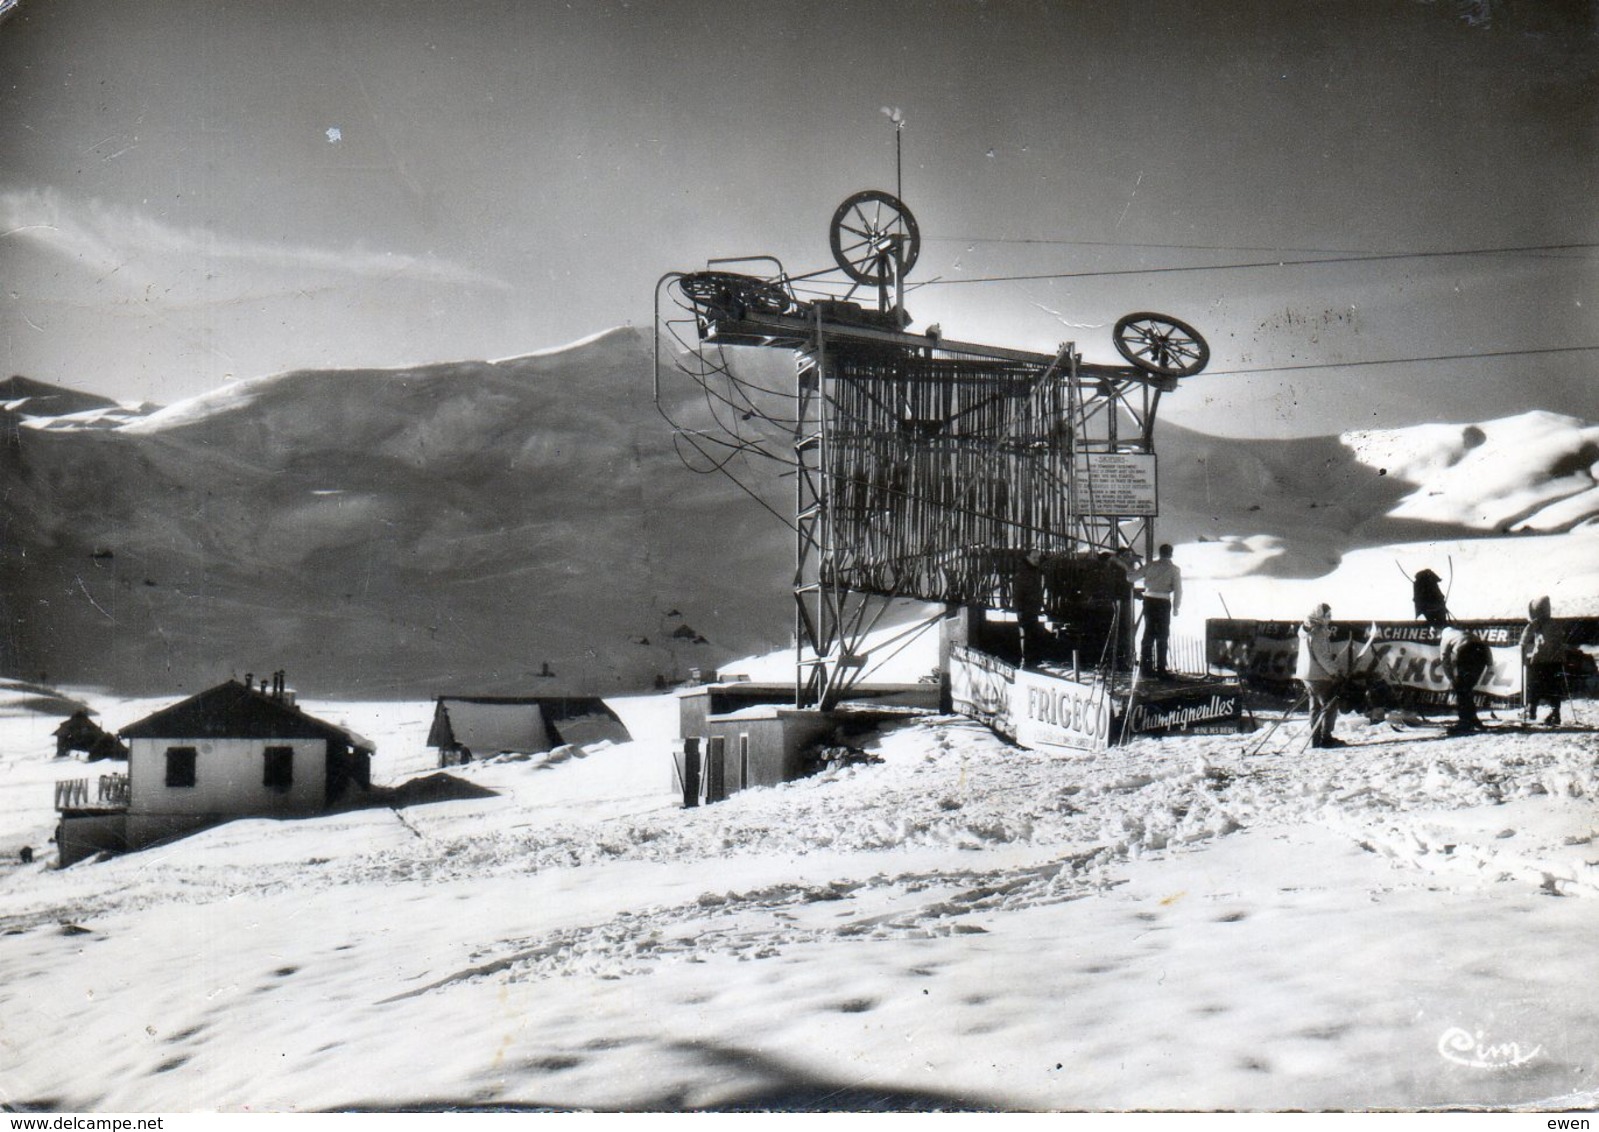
1220, 922
1175, 924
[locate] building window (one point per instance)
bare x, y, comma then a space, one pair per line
180, 766
278, 772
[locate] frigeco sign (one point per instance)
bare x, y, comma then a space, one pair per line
1052, 712
1032, 709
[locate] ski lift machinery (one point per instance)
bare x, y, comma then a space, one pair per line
923, 468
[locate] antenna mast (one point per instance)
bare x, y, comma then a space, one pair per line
894, 115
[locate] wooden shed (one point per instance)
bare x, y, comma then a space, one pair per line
469, 727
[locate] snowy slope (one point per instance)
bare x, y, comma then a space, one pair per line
1490, 578
1185, 924
465, 526
1503, 510
1191, 923
39, 399
1534, 472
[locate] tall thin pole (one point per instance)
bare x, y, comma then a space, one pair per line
899, 168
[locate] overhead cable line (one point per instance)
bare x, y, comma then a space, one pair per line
1405, 361
1049, 242
738, 483
1376, 258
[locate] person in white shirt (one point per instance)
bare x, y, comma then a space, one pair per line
1316, 667
1163, 596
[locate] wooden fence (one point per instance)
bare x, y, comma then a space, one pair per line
110, 793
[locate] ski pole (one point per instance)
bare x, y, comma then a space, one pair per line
1261, 742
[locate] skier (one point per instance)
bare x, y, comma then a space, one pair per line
1465, 658
1316, 668
1431, 605
1543, 657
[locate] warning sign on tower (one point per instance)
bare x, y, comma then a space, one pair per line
1114, 483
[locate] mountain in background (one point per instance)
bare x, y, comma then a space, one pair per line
1504, 509
38, 404
520, 526
29, 398
525, 526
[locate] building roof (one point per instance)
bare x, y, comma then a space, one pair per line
489, 728
521, 724
236, 711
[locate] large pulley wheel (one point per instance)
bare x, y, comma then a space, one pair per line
875, 238
723, 294
1160, 344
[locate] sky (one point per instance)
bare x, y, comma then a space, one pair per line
194, 192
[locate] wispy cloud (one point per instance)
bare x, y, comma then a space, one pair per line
138, 252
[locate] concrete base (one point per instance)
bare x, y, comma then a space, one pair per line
80, 835
83, 835
763, 745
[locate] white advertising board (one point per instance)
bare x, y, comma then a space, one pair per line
1048, 712
1033, 710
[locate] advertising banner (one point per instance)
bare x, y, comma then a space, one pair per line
1403, 655
1043, 712
1032, 709
1050, 711
1206, 709
980, 688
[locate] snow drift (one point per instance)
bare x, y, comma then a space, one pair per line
1183, 923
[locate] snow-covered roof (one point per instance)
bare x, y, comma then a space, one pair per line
235, 711
490, 727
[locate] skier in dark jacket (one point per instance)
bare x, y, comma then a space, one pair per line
1431, 605
1465, 658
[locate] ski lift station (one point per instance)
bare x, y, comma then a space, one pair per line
927, 470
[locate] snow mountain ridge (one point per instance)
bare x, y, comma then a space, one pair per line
445, 528
468, 526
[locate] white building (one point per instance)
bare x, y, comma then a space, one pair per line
232, 751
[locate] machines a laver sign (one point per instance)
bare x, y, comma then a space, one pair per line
1114, 483
1404, 655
